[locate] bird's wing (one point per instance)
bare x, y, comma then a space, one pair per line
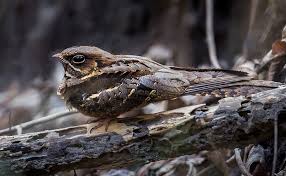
177, 82
208, 85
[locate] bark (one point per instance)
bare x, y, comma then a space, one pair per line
234, 122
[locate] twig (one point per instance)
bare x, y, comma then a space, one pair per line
205, 170
210, 34
253, 10
239, 162
275, 145
230, 160
19, 128
246, 152
283, 164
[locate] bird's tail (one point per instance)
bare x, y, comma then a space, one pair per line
244, 88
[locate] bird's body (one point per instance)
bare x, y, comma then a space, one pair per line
103, 85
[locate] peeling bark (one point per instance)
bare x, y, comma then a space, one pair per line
232, 123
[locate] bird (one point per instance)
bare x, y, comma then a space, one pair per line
104, 85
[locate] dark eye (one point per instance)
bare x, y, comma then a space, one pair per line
78, 59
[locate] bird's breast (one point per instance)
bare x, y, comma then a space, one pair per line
107, 97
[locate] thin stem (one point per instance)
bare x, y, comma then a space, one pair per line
239, 162
275, 145
19, 128
210, 34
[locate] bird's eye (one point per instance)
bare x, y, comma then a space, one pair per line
78, 59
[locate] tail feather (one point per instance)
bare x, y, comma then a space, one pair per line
212, 84
245, 88
200, 70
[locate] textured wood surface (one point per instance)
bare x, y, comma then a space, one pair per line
233, 122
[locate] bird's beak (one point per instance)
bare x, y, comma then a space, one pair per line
58, 55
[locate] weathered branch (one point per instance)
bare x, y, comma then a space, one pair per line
19, 128
232, 123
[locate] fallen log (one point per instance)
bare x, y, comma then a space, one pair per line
233, 122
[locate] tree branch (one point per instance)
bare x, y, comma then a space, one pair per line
234, 122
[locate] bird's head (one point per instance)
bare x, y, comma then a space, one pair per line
81, 61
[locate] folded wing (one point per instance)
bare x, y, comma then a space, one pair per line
174, 82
